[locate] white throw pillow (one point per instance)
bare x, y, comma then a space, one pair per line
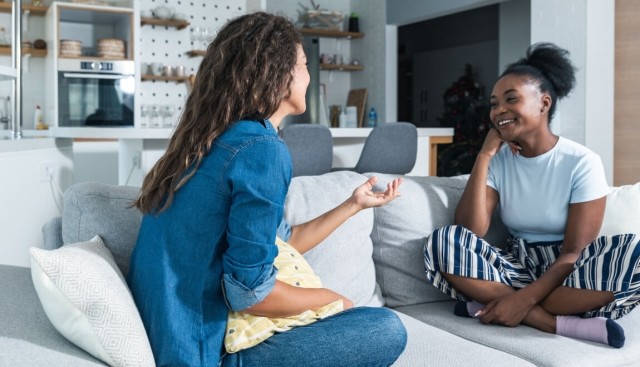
622, 213
87, 300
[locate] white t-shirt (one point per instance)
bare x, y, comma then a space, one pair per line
535, 193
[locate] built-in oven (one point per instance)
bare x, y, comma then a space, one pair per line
95, 93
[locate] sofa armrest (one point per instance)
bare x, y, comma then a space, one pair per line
52, 234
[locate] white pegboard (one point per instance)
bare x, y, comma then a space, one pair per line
169, 46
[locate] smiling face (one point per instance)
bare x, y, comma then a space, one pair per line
519, 109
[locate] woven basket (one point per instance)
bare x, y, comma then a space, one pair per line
71, 48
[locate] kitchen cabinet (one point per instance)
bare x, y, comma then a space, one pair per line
80, 79
89, 24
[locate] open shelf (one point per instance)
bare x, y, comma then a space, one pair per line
179, 24
25, 51
330, 33
179, 79
194, 53
5, 7
341, 67
92, 57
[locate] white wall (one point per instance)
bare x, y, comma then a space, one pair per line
372, 50
514, 31
26, 201
586, 30
600, 82
562, 22
87, 154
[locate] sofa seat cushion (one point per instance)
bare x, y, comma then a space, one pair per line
27, 338
343, 261
541, 349
402, 228
431, 347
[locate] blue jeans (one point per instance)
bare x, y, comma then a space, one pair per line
361, 336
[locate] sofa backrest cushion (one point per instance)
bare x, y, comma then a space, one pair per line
402, 228
621, 212
92, 208
344, 259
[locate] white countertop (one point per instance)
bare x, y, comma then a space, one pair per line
110, 133
150, 133
6, 134
8, 145
363, 132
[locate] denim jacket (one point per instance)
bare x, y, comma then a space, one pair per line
213, 249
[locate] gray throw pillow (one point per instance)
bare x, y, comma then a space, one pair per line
92, 208
402, 228
343, 261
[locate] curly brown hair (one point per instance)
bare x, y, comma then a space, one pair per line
245, 74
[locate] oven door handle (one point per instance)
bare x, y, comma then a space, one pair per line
95, 76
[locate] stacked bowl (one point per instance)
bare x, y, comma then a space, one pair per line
70, 48
111, 48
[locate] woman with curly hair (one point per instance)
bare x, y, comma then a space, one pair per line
214, 203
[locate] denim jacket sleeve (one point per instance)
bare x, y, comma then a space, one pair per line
284, 230
258, 178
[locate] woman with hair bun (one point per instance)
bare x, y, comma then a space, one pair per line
555, 274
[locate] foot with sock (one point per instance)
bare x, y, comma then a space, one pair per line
467, 309
596, 329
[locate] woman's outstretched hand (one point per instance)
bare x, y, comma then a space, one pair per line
364, 196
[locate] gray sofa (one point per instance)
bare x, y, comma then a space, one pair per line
375, 258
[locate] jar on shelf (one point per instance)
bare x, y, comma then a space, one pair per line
4, 40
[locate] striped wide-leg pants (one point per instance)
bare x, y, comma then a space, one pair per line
610, 263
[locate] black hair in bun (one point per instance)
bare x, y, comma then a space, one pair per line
551, 66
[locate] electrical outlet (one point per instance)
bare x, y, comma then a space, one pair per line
46, 171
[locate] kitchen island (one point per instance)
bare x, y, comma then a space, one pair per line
139, 149
35, 171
